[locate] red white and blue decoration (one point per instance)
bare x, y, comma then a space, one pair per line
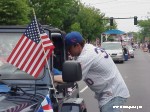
46, 105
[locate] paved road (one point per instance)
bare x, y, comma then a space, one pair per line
136, 73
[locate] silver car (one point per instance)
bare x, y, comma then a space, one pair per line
114, 49
131, 50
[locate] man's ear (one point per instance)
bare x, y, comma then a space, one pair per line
78, 45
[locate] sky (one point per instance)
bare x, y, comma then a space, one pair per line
123, 9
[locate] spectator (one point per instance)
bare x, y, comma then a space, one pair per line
125, 52
148, 46
99, 72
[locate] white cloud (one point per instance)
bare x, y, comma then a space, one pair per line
123, 9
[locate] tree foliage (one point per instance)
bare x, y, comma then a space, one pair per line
52, 11
14, 12
68, 15
76, 27
71, 15
90, 22
145, 28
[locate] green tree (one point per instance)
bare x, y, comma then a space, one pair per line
14, 12
71, 16
67, 15
52, 12
91, 21
76, 27
145, 28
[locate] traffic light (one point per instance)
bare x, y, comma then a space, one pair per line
135, 20
111, 21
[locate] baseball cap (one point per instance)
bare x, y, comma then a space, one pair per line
73, 38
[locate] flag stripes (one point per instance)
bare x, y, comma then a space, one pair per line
32, 50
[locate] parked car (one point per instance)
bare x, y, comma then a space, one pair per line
114, 49
130, 50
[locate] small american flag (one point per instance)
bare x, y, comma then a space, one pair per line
46, 105
32, 50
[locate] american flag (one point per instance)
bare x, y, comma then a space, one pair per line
32, 50
46, 105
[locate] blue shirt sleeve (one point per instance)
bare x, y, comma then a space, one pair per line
56, 71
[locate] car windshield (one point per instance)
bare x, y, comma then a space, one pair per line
111, 46
8, 71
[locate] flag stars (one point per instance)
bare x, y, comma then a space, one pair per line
32, 32
28, 56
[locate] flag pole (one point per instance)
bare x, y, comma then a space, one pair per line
46, 59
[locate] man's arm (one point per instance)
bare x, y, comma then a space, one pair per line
58, 78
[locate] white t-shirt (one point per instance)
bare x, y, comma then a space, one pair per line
101, 74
